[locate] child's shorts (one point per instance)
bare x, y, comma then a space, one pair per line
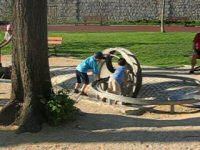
82, 77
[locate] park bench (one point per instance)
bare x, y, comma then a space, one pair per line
179, 18
94, 19
54, 42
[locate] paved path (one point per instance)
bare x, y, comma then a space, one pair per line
118, 28
158, 83
121, 28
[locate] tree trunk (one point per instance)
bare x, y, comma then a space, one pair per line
31, 82
162, 26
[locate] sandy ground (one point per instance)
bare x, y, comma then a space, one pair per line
101, 127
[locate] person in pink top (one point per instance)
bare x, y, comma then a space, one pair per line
7, 36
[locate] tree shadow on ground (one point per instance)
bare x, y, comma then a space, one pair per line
173, 70
95, 128
57, 71
3, 101
5, 81
85, 49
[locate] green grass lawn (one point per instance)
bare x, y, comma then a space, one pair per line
151, 48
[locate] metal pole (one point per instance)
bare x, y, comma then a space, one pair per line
77, 12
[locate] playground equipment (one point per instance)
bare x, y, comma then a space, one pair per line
132, 88
134, 80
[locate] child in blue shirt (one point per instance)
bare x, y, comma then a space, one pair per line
118, 78
91, 63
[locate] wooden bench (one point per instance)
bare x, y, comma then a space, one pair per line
54, 42
99, 19
179, 18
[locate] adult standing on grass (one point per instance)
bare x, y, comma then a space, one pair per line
196, 54
91, 63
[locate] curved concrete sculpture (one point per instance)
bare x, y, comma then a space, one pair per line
134, 83
131, 90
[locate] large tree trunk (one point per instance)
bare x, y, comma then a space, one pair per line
31, 82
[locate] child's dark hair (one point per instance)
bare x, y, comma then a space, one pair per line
121, 62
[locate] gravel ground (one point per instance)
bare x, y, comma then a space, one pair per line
101, 127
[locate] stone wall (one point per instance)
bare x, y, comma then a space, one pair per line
5, 10
119, 10
188, 8
66, 11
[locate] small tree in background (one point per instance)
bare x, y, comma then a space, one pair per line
162, 26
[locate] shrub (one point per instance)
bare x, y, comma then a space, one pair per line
60, 108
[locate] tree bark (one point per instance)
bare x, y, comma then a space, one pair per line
31, 82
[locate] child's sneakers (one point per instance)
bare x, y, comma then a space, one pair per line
83, 93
